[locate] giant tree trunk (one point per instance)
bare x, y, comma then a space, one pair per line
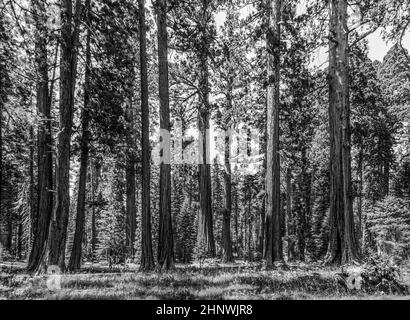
147, 258
166, 241
43, 213
68, 67
76, 251
342, 243
205, 223
273, 239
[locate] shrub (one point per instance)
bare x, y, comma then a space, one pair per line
380, 275
388, 222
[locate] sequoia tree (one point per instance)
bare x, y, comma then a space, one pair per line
68, 69
43, 212
273, 236
76, 251
342, 242
166, 242
147, 259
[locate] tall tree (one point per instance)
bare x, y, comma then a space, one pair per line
147, 258
45, 159
76, 251
342, 243
231, 85
205, 224
68, 69
166, 242
273, 236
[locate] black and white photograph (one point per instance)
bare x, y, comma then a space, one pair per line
227, 152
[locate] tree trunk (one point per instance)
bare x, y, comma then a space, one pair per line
33, 211
147, 258
76, 251
166, 241
227, 211
44, 142
262, 149
236, 216
131, 208
68, 67
130, 173
342, 243
205, 225
273, 241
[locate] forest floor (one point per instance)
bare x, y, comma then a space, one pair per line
211, 281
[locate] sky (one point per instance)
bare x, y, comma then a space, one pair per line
378, 48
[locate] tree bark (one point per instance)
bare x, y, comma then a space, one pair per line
147, 258
342, 245
166, 241
273, 239
68, 67
76, 251
44, 142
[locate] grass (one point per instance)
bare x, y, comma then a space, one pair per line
242, 281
